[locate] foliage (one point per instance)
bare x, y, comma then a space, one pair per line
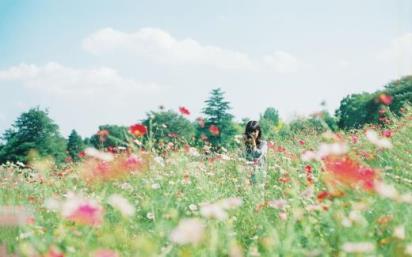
116, 136
168, 127
75, 145
33, 130
217, 113
268, 122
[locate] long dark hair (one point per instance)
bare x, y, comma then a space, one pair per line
252, 126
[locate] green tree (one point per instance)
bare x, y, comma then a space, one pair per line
33, 130
74, 145
117, 136
217, 116
268, 122
168, 126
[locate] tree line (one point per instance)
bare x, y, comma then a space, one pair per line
216, 129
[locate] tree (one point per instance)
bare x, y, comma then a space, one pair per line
268, 122
116, 136
168, 127
74, 145
219, 127
33, 130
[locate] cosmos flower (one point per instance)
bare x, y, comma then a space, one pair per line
82, 210
103, 156
358, 247
184, 111
374, 138
138, 130
121, 204
105, 253
214, 130
385, 99
349, 172
188, 231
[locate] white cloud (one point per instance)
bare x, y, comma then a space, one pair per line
62, 80
399, 54
159, 46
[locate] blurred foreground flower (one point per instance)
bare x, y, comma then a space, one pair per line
122, 204
105, 253
82, 210
15, 216
218, 210
374, 138
189, 231
325, 150
358, 247
344, 170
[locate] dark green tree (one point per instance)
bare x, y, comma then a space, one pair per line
217, 116
75, 145
33, 130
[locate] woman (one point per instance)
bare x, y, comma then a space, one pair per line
256, 149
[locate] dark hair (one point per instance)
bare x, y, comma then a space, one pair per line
252, 126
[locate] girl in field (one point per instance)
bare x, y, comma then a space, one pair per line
255, 153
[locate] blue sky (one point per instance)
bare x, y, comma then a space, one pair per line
105, 62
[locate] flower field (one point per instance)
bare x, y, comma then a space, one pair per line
335, 194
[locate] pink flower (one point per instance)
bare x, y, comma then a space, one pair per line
385, 99
201, 122
82, 211
387, 133
105, 253
184, 111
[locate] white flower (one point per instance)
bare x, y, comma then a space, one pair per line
90, 151
230, 203
150, 216
361, 247
189, 231
325, 150
399, 232
52, 204
374, 138
193, 207
213, 211
155, 186
408, 249
122, 204
387, 191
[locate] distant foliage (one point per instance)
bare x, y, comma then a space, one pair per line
218, 128
75, 145
33, 130
356, 110
166, 127
109, 136
269, 122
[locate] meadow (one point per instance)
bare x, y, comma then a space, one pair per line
331, 194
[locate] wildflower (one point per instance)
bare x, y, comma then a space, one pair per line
387, 133
349, 172
93, 152
278, 204
189, 231
150, 216
155, 186
385, 99
54, 252
230, 203
323, 195
324, 151
361, 247
373, 137
213, 211
105, 253
399, 232
122, 204
283, 215
193, 207
138, 130
82, 211
214, 130
184, 111
387, 191
408, 249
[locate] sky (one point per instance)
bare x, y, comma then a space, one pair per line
110, 62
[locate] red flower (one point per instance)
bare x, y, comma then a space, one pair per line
355, 139
82, 154
214, 130
387, 133
184, 111
172, 135
138, 130
385, 99
349, 172
308, 169
323, 195
301, 142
